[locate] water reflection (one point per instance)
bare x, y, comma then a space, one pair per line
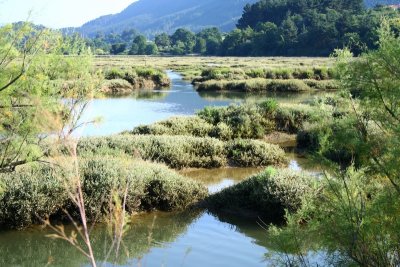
147, 232
218, 179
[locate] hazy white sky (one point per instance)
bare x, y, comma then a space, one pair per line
58, 13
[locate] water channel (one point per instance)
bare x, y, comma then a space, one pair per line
160, 239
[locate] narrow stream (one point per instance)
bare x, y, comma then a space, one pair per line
160, 239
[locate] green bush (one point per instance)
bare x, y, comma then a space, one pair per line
254, 153
255, 85
255, 73
39, 191
32, 192
321, 74
284, 74
266, 195
247, 121
139, 77
216, 73
175, 151
292, 118
222, 131
177, 126
185, 151
114, 73
150, 186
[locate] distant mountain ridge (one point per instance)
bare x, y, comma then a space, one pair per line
155, 16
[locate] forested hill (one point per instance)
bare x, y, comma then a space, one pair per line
155, 16
372, 3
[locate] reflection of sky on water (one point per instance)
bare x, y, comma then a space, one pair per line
125, 113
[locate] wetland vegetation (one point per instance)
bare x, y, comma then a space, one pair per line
345, 215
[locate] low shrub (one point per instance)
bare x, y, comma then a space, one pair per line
247, 121
216, 73
255, 73
150, 186
116, 86
290, 85
266, 195
139, 77
322, 85
175, 151
292, 118
244, 121
177, 126
38, 191
336, 140
185, 151
32, 192
283, 74
255, 85
254, 153
303, 74
321, 74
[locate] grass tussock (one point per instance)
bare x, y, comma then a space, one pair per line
266, 195
39, 191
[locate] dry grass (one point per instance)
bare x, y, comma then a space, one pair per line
192, 66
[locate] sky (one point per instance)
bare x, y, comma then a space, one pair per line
58, 13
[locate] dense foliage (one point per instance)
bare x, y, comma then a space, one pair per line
185, 151
38, 191
35, 74
266, 195
248, 120
270, 28
356, 215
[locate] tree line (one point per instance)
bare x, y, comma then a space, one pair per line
267, 28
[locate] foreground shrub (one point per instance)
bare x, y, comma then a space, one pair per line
150, 186
267, 194
38, 191
254, 153
31, 191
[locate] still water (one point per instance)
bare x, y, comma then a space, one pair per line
160, 239
149, 106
